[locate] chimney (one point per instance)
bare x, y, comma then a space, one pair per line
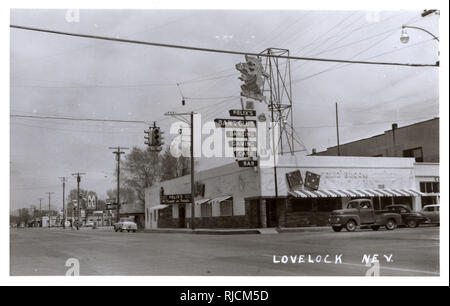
394, 127
314, 151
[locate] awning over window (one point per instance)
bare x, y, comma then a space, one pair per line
202, 201
220, 199
157, 207
352, 193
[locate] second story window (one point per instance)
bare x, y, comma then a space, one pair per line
429, 187
417, 153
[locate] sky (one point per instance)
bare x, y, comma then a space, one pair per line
54, 75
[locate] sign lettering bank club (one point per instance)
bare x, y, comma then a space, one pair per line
243, 131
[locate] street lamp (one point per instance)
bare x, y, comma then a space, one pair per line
404, 37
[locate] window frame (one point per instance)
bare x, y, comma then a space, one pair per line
226, 202
206, 207
412, 155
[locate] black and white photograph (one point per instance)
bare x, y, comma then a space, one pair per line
227, 142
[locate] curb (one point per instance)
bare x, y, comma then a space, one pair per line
204, 232
303, 229
239, 232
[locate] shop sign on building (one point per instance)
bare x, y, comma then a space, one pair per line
242, 112
235, 123
294, 179
176, 198
247, 163
312, 180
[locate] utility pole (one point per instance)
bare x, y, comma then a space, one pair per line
337, 131
118, 153
78, 175
40, 209
190, 122
192, 173
64, 201
49, 221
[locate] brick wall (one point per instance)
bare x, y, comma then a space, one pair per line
249, 220
305, 219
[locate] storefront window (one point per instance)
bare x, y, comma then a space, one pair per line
403, 200
385, 201
429, 200
301, 205
226, 208
329, 204
206, 210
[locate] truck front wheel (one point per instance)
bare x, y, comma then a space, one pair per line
391, 225
350, 226
337, 229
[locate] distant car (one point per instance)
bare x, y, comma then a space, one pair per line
432, 213
90, 224
410, 218
128, 226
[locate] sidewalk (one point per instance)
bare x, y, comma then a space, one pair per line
239, 231
205, 231
211, 231
99, 229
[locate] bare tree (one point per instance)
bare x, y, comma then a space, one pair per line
142, 168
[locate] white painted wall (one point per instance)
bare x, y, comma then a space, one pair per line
425, 172
342, 172
225, 180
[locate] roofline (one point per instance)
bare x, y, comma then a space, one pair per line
416, 123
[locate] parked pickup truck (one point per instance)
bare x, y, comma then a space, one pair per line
360, 213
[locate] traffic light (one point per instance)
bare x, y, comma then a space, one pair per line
147, 137
157, 137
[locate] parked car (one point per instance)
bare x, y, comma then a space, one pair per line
410, 218
90, 224
432, 213
360, 213
128, 226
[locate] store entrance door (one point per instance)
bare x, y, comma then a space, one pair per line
271, 209
181, 215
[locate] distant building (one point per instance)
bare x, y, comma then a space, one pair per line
135, 212
235, 197
419, 140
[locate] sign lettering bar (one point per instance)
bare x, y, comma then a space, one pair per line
241, 144
247, 163
241, 134
242, 112
244, 154
176, 198
235, 123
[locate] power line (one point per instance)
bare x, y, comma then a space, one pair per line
110, 86
79, 119
139, 42
368, 123
354, 42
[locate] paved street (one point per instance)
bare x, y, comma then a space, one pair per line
45, 251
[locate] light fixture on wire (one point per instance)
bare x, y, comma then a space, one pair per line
404, 37
183, 99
